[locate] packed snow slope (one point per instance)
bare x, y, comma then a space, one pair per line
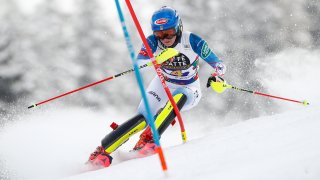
284, 147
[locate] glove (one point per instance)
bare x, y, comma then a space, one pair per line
219, 69
217, 83
214, 79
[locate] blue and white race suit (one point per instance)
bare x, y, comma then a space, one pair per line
180, 72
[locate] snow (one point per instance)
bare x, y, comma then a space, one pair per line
282, 146
292, 73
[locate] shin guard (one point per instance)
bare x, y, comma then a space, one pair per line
122, 133
167, 115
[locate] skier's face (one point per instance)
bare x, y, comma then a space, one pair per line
167, 37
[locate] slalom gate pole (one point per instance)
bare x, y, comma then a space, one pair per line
150, 118
305, 103
158, 70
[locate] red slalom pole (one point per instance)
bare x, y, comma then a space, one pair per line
158, 70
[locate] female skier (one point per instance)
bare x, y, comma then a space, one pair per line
180, 74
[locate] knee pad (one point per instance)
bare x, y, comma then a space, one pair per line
193, 95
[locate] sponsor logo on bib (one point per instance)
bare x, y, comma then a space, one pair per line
180, 62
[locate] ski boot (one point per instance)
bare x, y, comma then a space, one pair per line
147, 150
145, 137
99, 158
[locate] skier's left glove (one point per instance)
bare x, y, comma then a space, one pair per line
217, 83
214, 78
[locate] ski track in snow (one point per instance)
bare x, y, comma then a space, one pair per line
55, 143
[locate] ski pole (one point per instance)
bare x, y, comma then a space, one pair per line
150, 118
304, 102
221, 86
163, 56
157, 69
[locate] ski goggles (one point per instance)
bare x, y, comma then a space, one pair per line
165, 34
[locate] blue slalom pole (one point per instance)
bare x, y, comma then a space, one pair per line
150, 119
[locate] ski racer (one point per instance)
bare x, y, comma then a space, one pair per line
180, 74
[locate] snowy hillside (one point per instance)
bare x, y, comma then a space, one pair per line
283, 146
